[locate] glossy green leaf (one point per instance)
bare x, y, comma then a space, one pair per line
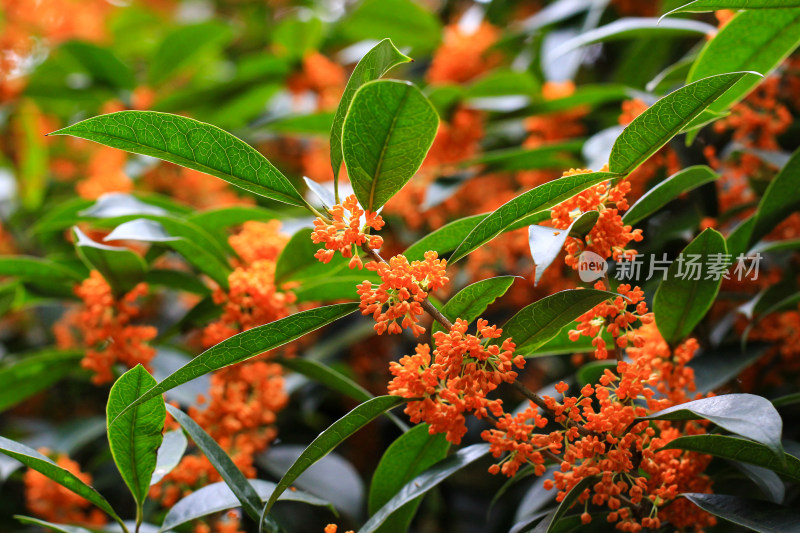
189, 143
217, 221
331, 437
341, 284
405, 22
297, 261
681, 301
562, 345
183, 45
407, 457
756, 515
169, 455
666, 118
101, 64
768, 482
375, 63
739, 449
701, 6
33, 459
222, 463
716, 368
135, 437
177, 280
386, 134
60, 528
218, 497
754, 40
556, 156
747, 415
503, 82
34, 372
32, 268
549, 523
668, 190
120, 267
248, 344
471, 301
779, 200
445, 239
425, 482
539, 322
519, 211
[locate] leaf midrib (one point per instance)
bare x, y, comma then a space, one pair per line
385, 144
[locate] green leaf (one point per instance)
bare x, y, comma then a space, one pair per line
701, 6
757, 40
34, 372
666, 118
189, 143
503, 82
545, 242
683, 181
33, 268
756, 515
471, 301
61, 528
550, 522
339, 284
679, 303
33, 459
217, 221
592, 371
135, 437
218, 497
386, 134
539, 322
407, 457
425, 482
101, 64
405, 22
222, 463
634, 28
738, 449
319, 123
519, 211
556, 156
177, 280
184, 45
562, 345
716, 368
120, 267
297, 261
788, 399
443, 240
248, 344
747, 415
779, 200
334, 435
170, 454
375, 63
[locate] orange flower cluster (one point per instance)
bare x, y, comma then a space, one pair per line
404, 286
55, 503
613, 316
635, 480
610, 235
333, 528
345, 232
102, 326
192, 187
105, 174
321, 76
464, 370
464, 54
760, 118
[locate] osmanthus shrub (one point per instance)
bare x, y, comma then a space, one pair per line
662, 285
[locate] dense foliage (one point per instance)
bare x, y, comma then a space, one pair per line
394, 265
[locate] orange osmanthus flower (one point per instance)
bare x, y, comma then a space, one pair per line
345, 232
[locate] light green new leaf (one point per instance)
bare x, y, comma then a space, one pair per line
539, 322
755, 40
297, 261
685, 296
375, 63
747, 415
32, 268
701, 6
472, 300
683, 181
334, 435
424, 482
405, 22
34, 372
248, 344
33, 459
756, 515
738, 449
387, 132
666, 118
779, 200
407, 457
521, 210
221, 462
134, 438
189, 143
183, 45
445, 239
170, 454
120, 267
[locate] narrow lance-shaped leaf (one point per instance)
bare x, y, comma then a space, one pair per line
33, 459
666, 118
249, 344
334, 435
189, 143
701, 6
539, 322
549, 523
747, 415
756, 515
685, 296
518, 212
445, 239
120, 267
221, 462
35, 372
60, 528
779, 200
28, 267
134, 438
471, 301
387, 132
170, 454
686, 180
375, 63
425, 482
